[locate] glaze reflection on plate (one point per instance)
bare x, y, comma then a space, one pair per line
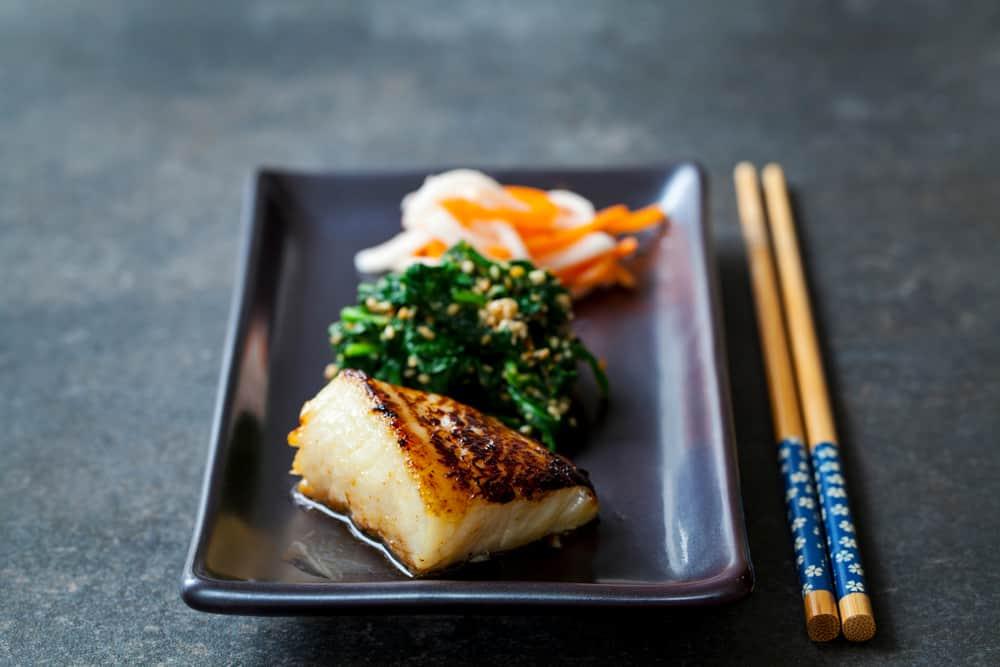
670, 530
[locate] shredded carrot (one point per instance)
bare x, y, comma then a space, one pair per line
624, 277
498, 251
566, 237
545, 245
540, 224
433, 248
570, 274
600, 273
537, 200
637, 221
468, 212
610, 215
582, 275
526, 221
465, 211
627, 246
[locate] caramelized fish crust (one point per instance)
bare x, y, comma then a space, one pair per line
460, 454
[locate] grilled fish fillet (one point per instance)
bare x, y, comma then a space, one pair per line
439, 482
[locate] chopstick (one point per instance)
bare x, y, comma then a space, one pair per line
856, 615
820, 606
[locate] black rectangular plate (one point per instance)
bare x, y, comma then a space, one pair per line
661, 457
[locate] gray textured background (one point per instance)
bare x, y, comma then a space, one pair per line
128, 128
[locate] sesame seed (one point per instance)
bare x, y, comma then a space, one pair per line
336, 337
495, 272
453, 309
330, 371
537, 276
526, 429
412, 361
542, 353
423, 378
468, 266
501, 309
516, 328
425, 332
516, 271
485, 340
371, 302
388, 333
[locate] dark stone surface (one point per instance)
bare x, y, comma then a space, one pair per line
126, 132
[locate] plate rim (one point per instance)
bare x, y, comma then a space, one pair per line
204, 592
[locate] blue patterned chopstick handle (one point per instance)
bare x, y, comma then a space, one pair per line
848, 573
804, 518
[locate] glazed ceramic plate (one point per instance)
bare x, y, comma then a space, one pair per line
661, 456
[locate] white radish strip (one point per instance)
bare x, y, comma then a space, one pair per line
589, 247
575, 210
465, 183
443, 227
385, 255
510, 239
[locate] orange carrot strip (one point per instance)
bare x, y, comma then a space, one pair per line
537, 200
601, 273
626, 246
637, 221
525, 221
498, 251
581, 274
433, 248
567, 237
465, 211
611, 214
624, 276
543, 245
541, 211
569, 274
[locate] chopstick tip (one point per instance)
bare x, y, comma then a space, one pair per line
772, 170
822, 620
744, 167
857, 617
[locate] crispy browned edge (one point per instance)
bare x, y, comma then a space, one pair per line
470, 456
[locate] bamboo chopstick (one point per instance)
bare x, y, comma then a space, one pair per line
822, 621
855, 606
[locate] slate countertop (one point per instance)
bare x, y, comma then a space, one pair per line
127, 132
